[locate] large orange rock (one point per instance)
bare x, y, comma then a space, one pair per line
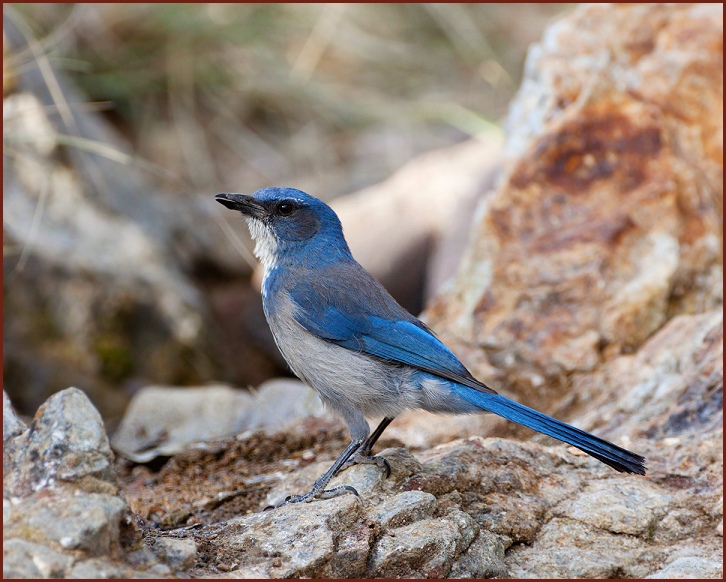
607, 222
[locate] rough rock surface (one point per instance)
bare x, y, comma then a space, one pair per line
63, 515
476, 507
163, 421
607, 221
67, 442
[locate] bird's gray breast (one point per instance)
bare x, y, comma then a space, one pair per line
343, 378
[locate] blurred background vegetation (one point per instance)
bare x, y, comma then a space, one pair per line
329, 98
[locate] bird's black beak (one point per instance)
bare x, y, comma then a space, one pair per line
245, 204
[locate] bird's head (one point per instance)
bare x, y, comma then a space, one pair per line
284, 221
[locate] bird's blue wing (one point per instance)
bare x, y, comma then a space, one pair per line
379, 330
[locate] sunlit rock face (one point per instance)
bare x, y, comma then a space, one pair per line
607, 223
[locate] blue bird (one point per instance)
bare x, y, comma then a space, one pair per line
347, 338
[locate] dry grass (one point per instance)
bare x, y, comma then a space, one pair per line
330, 97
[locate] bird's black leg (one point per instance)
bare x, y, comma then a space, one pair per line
363, 454
318, 491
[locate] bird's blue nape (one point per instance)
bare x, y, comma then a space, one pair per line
298, 220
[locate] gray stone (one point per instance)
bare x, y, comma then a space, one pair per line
17, 565
163, 420
366, 479
67, 442
693, 567
61, 493
99, 568
468, 528
7, 512
24, 559
403, 509
154, 571
296, 540
569, 549
424, 548
671, 528
620, 505
141, 558
179, 554
12, 425
403, 464
484, 558
278, 402
295, 482
350, 557
88, 521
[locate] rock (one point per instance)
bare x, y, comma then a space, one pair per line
606, 222
672, 386
66, 442
296, 540
470, 508
88, 522
484, 558
165, 421
98, 568
621, 506
690, 567
142, 558
12, 425
87, 273
592, 290
178, 554
24, 559
403, 509
350, 558
366, 479
425, 548
567, 549
61, 505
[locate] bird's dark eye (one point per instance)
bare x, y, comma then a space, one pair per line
285, 208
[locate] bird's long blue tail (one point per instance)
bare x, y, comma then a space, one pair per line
617, 457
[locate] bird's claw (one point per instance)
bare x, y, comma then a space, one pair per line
312, 495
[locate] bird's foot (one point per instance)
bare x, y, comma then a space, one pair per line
313, 495
363, 459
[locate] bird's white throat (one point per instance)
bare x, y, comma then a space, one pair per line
265, 242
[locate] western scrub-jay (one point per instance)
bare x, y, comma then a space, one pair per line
347, 338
